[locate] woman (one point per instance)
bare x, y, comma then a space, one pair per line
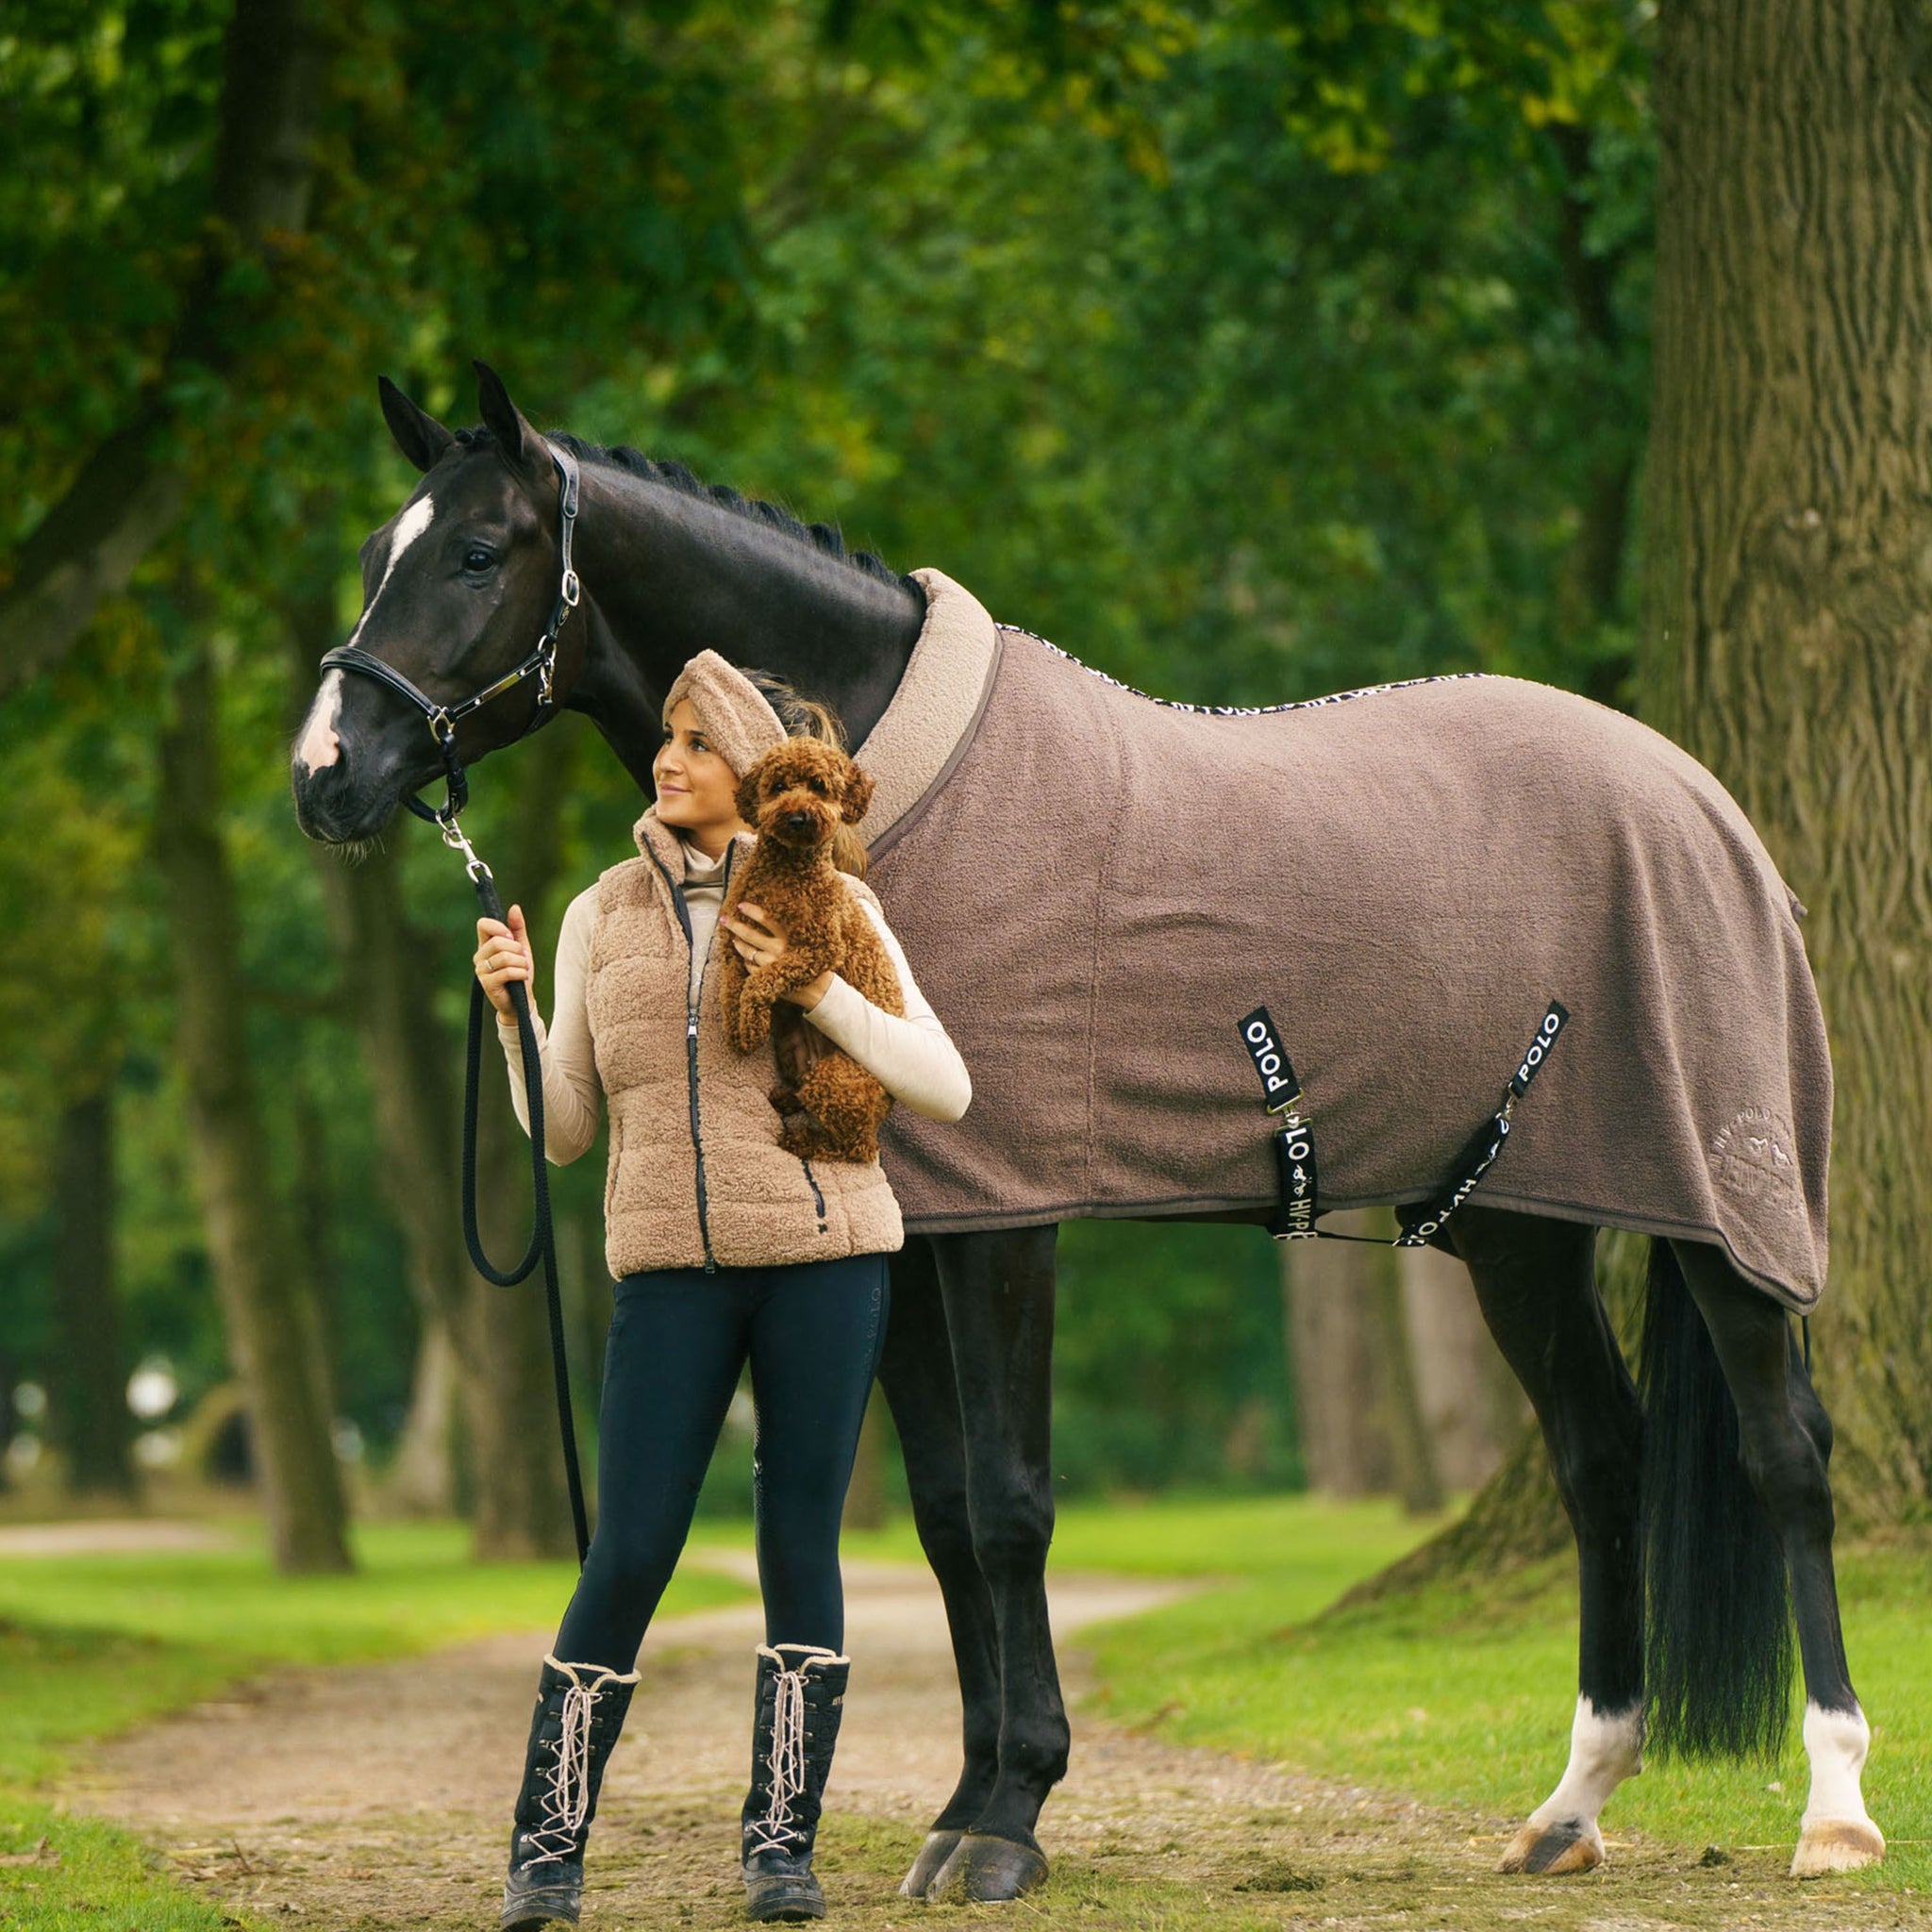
726, 1249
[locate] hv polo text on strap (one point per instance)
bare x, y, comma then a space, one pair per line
1295, 1139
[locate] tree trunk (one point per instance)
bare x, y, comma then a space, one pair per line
91, 1395
1789, 640
271, 1330
1332, 1364
1471, 1404
422, 1479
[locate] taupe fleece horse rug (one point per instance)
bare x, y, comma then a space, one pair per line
1405, 880
1467, 945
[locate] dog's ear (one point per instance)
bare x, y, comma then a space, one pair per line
750, 792
858, 795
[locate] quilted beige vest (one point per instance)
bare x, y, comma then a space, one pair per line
696, 1176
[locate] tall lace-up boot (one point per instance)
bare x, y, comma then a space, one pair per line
580, 1709
800, 1694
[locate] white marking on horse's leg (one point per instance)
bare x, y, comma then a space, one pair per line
415, 518
1837, 1833
1606, 1747
319, 745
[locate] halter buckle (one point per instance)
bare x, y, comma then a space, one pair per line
571, 586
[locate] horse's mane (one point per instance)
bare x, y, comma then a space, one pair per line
825, 538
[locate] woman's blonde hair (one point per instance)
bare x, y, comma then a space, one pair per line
803, 717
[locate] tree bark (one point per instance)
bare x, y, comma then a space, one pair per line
421, 1478
1331, 1353
1471, 1404
1789, 629
271, 1329
131, 490
91, 1395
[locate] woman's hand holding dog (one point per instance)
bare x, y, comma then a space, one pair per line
760, 942
503, 953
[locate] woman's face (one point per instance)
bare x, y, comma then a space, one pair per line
697, 793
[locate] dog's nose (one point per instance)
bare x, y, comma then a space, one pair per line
798, 821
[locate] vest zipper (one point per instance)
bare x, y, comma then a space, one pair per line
818, 1200
692, 1002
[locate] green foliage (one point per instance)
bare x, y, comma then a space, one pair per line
1247, 348
1169, 1363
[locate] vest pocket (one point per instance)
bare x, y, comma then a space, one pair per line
818, 1199
611, 1166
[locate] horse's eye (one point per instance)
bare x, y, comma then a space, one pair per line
477, 560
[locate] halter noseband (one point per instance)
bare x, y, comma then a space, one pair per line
542, 663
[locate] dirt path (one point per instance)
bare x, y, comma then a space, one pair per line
377, 1796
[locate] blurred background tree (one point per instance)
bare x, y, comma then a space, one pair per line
1249, 348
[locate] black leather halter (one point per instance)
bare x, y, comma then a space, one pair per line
541, 664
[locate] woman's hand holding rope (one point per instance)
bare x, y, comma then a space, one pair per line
503, 953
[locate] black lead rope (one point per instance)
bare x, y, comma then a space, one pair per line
540, 663
543, 1233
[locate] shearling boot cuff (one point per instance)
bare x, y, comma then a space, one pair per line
743, 727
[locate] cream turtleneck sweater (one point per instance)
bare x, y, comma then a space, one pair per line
912, 1058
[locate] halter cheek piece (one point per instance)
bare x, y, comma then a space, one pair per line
541, 664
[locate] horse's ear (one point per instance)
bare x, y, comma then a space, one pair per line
521, 447
418, 434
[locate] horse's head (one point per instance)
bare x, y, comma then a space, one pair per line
456, 589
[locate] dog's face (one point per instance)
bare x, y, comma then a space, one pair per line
800, 792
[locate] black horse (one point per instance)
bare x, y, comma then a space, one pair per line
1700, 1525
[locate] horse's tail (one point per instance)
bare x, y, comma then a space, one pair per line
1717, 1634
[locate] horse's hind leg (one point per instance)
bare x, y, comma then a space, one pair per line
916, 1371
1536, 1281
1785, 1442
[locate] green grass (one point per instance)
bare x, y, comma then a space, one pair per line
89, 1645
1304, 1550
1463, 1695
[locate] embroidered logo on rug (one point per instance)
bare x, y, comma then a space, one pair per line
1755, 1158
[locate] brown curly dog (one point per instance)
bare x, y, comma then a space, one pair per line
796, 797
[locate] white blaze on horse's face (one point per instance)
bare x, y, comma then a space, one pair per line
319, 745
415, 518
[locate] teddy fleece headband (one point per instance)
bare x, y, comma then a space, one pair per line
741, 726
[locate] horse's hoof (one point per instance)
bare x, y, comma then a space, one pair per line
933, 1854
986, 1871
1570, 1844
1836, 1844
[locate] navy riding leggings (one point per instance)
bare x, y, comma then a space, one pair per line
678, 1340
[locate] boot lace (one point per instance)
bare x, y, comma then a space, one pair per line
773, 1831
567, 1797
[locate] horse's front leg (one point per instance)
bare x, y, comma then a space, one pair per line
998, 1290
1535, 1282
916, 1371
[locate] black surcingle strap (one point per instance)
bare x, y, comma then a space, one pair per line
1295, 1139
